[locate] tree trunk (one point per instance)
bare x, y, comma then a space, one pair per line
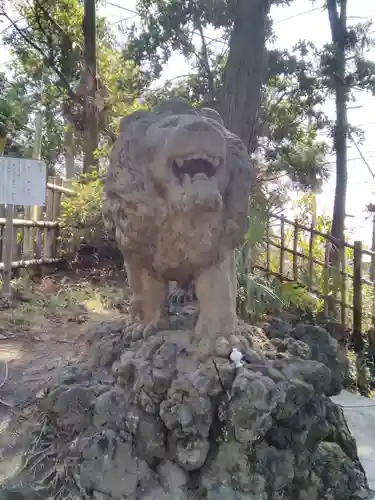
338, 22
245, 69
91, 134
69, 152
338, 30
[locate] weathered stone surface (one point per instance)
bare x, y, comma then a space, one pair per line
174, 427
306, 341
176, 198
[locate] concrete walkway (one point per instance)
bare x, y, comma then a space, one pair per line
360, 416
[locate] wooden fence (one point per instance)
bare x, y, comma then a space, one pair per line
35, 230
291, 254
298, 253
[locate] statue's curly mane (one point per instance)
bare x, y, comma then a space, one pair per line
138, 208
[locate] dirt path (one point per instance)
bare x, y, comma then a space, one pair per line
26, 369
38, 339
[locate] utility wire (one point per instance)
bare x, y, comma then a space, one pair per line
299, 15
361, 155
276, 22
351, 159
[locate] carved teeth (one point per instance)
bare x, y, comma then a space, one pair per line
214, 161
187, 180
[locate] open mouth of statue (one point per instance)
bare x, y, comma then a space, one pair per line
195, 165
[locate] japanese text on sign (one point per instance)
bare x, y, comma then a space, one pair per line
22, 182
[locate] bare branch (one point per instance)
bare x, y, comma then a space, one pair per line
63, 81
206, 63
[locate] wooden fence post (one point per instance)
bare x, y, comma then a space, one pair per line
282, 248
358, 339
326, 275
49, 233
56, 213
311, 256
7, 246
268, 250
295, 250
343, 294
2, 229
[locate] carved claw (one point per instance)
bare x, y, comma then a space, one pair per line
161, 323
134, 330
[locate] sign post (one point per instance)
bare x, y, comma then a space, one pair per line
22, 182
7, 252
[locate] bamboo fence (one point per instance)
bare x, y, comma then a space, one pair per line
341, 286
35, 240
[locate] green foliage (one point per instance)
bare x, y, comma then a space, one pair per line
290, 115
13, 108
360, 72
81, 216
47, 49
297, 296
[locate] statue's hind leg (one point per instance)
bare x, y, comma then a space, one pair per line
154, 292
181, 293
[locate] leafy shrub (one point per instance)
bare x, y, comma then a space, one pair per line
81, 216
5, 116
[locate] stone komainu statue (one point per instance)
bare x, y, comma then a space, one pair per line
176, 195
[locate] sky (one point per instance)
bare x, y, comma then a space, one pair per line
292, 24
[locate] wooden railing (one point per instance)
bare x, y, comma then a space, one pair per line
294, 252
35, 230
299, 253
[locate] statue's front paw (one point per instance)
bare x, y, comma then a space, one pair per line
134, 330
160, 323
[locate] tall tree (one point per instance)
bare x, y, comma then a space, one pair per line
47, 44
168, 26
338, 22
245, 69
344, 68
90, 70
288, 84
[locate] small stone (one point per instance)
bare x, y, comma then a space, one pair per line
191, 455
161, 379
110, 408
172, 476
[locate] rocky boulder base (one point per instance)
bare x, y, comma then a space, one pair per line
154, 419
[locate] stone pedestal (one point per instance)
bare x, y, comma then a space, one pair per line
150, 419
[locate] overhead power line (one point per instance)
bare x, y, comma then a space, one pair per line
276, 22
299, 15
362, 155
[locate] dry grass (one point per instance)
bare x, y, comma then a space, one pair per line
54, 301
43, 329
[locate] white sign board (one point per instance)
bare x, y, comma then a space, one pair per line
22, 182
